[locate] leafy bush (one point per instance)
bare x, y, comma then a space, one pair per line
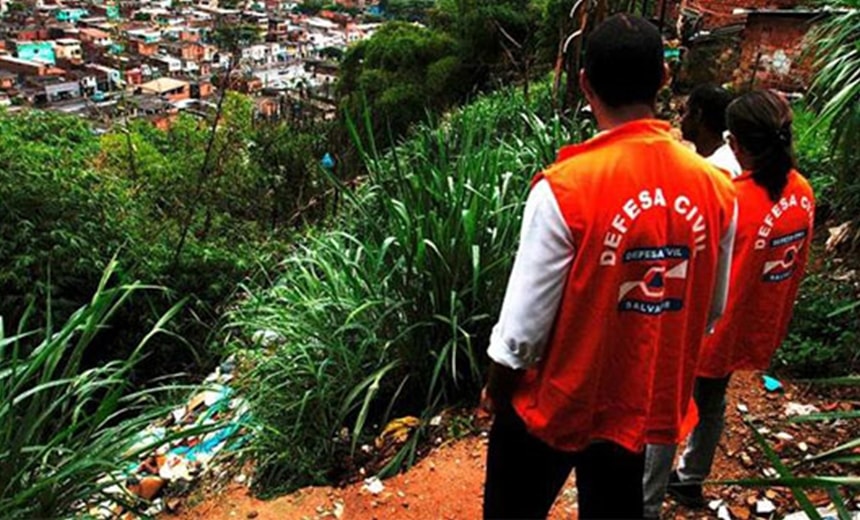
812, 144
391, 315
825, 329
836, 95
402, 71
72, 200
63, 425
59, 219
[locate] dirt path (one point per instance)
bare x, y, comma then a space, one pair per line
448, 483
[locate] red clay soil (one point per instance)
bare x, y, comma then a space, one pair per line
448, 483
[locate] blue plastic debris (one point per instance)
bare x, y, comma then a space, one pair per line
327, 161
771, 384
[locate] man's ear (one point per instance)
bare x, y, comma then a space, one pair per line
696, 114
733, 144
585, 86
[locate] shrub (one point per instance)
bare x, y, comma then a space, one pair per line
836, 94
63, 425
391, 315
824, 331
59, 219
71, 201
812, 144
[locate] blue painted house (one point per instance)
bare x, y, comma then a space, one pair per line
42, 52
71, 15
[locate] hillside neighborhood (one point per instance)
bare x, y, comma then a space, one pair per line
107, 59
153, 58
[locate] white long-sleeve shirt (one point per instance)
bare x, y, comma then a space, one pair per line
725, 159
537, 281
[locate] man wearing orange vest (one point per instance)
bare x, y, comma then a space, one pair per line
622, 266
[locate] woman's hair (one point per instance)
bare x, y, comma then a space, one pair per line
761, 123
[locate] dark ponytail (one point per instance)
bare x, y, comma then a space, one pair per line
761, 123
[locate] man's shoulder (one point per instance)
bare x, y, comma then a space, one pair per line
724, 158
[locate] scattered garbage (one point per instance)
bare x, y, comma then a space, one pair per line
266, 337
723, 513
176, 450
327, 161
373, 485
742, 408
740, 512
799, 409
771, 384
397, 431
838, 235
826, 513
764, 507
802, 446
784, 436
713, 505
436, 421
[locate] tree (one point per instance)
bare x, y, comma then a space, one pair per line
289, 162
60, 219
400, 73
411, 10
494, 37
836, 92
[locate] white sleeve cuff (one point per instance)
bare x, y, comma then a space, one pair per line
510, 354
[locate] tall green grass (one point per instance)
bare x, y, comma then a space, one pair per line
64, 425
389, 313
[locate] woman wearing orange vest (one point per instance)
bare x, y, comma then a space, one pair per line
623, 264
775, 220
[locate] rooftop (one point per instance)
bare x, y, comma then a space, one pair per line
163, 85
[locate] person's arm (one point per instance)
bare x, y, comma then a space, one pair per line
533, 294
724, 272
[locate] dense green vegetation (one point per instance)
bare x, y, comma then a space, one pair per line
189, 209
400, 73
836, 95
466, 47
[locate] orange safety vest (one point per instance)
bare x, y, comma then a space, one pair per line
646, 216
771, 248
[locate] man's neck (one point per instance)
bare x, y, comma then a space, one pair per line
708, 143
615, 117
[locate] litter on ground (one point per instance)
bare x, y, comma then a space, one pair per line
175, 451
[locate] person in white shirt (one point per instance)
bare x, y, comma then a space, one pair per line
704, 125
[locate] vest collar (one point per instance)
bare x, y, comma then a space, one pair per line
638, 127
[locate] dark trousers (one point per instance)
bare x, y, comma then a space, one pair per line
524, 475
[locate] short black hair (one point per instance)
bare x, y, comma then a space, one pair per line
624, 61
711, 101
